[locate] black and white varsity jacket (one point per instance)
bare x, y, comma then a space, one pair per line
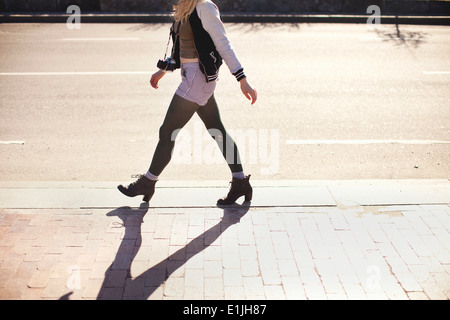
211, 42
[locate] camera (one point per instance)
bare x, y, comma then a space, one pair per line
167, 65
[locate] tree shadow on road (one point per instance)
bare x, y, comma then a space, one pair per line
408, 39
246, 27
150, 26
250, 27
118, 278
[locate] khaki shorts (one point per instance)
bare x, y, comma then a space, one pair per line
193, 86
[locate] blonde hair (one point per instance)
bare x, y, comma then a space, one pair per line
183, 9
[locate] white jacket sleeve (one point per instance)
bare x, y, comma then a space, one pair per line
211, 22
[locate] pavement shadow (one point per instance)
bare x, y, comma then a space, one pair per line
251, 27
154, 277
149, 26
409, 39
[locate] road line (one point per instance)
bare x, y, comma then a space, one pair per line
12, 142
365, 142
74, 73
436, 72
100, 39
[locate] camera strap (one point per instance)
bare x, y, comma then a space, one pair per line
170, 37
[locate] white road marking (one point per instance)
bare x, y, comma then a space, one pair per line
75, 73
12, 142
100, 39
436, 72
363, 142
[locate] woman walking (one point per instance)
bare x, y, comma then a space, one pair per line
200, 45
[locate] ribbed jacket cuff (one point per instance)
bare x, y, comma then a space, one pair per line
239, 74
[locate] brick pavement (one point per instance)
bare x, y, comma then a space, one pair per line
353, 252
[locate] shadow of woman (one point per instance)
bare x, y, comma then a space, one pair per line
160, 272
132, 220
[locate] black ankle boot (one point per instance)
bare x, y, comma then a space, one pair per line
143, 186
239, 188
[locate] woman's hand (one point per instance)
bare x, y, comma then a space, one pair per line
156, 77
248, 91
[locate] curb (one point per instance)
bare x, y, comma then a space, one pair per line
190, 194
230, 18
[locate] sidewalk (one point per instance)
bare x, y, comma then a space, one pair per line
380, 239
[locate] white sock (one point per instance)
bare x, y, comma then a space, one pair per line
238, 175
150, 176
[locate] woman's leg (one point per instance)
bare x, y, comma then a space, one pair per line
179, 113
240, 184
211, 118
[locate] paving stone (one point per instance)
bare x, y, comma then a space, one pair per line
399, 252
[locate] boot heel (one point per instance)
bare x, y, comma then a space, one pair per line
146, 198
248, 196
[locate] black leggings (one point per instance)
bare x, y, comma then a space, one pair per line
179, 113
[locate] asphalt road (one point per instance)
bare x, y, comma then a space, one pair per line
335, 102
